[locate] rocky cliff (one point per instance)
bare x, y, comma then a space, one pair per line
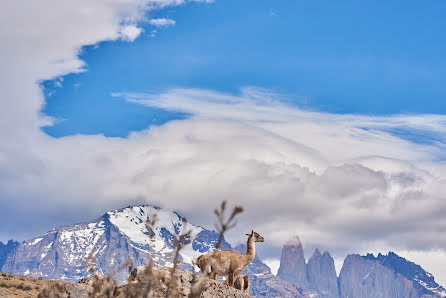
364, 278
423, 281
5, 250
385, 276
321, 274
292, 263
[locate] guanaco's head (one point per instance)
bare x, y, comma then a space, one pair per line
256, 236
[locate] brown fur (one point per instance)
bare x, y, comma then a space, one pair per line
241, 283
204, 264
227, 262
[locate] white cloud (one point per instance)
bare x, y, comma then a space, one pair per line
130, 32
273, 264
152, 33
340, 181
162, 22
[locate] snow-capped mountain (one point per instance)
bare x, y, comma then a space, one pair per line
114, 238
122, 235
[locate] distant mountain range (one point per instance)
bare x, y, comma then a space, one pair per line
121, 235
386, 276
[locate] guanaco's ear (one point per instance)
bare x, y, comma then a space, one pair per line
252, 232
248, 234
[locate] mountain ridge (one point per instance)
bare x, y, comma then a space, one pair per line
121, 235
360, 276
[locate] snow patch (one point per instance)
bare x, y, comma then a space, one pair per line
131, 221
35, 241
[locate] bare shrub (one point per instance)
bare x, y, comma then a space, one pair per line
223, 225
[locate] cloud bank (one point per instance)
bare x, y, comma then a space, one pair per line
342, 182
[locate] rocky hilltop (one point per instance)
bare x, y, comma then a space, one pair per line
19, 286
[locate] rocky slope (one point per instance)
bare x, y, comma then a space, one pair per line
12, 286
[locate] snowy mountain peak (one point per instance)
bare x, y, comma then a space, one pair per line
114, 238
132, 222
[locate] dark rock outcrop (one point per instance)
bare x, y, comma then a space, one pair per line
322, 275
292, 263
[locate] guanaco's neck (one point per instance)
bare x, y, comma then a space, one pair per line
250, 250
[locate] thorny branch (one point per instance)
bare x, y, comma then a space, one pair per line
223, 225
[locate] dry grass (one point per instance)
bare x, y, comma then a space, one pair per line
20, 286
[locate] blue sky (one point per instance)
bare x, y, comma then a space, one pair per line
360, 57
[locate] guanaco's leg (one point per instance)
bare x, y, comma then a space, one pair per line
235, 275
231, 279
